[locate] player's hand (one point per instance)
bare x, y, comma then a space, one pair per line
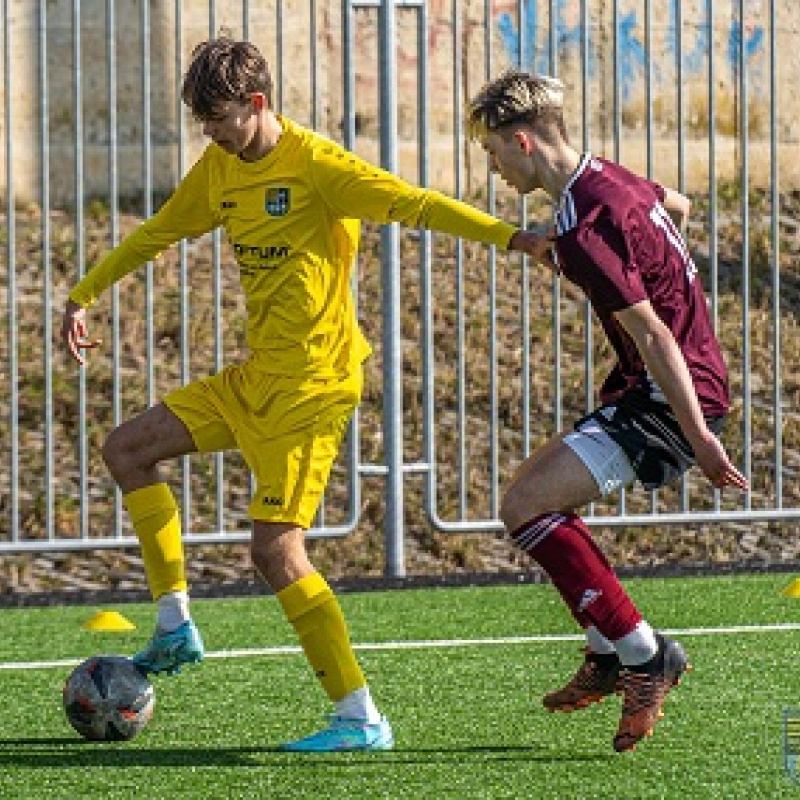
74, 333
539, 245
713, 460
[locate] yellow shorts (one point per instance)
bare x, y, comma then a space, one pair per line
288, 430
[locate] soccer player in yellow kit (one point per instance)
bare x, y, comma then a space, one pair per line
291, 203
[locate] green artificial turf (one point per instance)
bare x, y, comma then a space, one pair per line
467, 716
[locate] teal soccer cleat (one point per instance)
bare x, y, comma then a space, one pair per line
345, 734
167, 650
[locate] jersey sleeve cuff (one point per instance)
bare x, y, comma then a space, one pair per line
83, 299
508, 232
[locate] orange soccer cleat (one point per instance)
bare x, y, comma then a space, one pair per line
645, 689
598, 676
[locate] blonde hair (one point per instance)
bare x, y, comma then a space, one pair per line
516, 97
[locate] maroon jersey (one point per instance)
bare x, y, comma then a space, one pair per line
617, 243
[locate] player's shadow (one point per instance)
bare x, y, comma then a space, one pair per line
443, 755
68, 752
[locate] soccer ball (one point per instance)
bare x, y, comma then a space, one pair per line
107, 698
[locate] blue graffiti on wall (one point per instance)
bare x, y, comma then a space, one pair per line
520, 41
694, 55
513, 42
631, 54
752, 42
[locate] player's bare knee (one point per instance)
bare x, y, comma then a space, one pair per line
279, 554
111, 451
519, 504
260, 555
119, 453
268, 547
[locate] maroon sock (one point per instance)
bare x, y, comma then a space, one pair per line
562, 545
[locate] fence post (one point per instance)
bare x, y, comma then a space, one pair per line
390, 275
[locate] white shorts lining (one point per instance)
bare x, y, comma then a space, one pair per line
602, 456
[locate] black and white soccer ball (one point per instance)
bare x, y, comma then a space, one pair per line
107, 698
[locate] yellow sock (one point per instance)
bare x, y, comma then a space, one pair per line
155, 518
314, 611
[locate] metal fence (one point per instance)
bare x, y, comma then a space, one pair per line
480, 358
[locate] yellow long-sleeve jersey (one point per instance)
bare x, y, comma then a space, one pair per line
293, 218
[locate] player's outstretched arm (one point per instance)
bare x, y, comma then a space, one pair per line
187, 213
74, 332
666, 364
354, 188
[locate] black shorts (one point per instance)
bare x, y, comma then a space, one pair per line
648, 433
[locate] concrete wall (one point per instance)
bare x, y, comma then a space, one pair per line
525, 42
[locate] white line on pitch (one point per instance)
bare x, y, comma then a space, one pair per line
777, 627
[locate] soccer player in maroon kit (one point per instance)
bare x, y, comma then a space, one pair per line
662, 407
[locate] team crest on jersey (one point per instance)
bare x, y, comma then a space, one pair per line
278, 201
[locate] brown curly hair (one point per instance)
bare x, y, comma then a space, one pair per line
224, 69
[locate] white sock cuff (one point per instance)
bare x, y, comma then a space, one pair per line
638, 646
173, 610
358, 705
598, 643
